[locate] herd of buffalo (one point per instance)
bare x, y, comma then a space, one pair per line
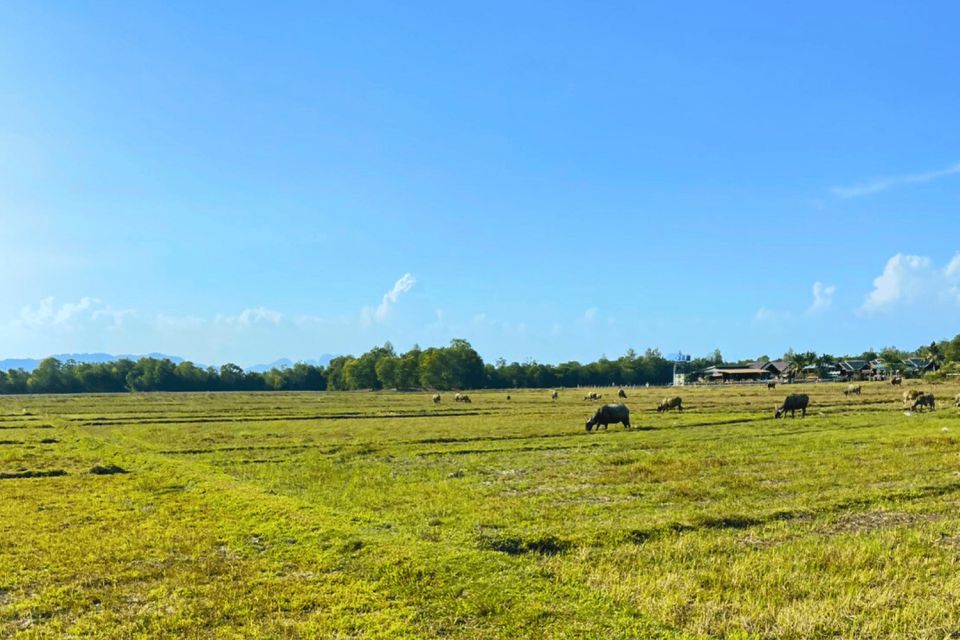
913, 399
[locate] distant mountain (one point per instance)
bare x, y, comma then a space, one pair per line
29, 364
284, 363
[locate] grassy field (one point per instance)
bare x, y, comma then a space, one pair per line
381, 515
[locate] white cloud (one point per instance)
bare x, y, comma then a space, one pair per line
370, 315
250, 317
822, 298
882, 184
70, 316
764, 314
904, 279
952, 269
911, 279
590, 314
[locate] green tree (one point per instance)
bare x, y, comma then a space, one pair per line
47, 377
408, 369
387, 369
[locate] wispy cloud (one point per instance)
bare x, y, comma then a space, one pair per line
882, 184
822, 298
369, 315
766, 315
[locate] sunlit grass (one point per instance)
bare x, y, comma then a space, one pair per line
381, 515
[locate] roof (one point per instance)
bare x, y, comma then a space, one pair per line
735, 370
852, 365
779, 365
916, 363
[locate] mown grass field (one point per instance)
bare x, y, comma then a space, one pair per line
381, 515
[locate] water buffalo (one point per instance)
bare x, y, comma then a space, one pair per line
458, 397
436, 398
896, 380
622, 394
910, 395
957, 403
593, 395
793, 403
853, 389
670, 403
508, 397
554, 395
464, 398
771, 385
924, 400
610, 414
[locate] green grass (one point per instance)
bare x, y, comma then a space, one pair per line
380, 515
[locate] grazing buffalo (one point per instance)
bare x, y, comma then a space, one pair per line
609, 414
771, 385
436, 398
793, 403
896, 381
464, 398
670, 403
458, 397
853, 389
925, 400
508, 397
554, 395
910, 395
593, 395
957, 403
622, 394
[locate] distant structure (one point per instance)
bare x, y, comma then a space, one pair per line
679, 360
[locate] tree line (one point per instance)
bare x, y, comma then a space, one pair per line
457, 366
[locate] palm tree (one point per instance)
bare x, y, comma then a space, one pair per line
933, 354
797, 362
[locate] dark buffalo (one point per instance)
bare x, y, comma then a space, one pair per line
622, 394
896, 380
610, 414
554, 395
793, 403
910, 395
771, 385
925, 400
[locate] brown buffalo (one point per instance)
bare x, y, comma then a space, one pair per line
670, 403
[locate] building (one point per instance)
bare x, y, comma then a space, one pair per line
776, 368
734, 374
863, 369
916, 367
853, 369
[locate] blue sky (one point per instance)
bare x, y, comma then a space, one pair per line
230, 182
